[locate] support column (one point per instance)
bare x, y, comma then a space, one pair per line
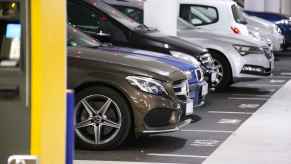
48, 80
273, 6
255, 5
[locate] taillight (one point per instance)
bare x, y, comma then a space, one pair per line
235, 30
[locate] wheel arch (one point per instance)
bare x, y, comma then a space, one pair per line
115, 88
211, 50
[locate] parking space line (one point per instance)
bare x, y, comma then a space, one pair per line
263, 85
281, 77
285, 73
249, 106
248, 98
205, 143
229, 121
225, 112
277, 81
251, 95
177, 155
206, 131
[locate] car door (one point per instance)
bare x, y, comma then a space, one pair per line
14, 113
95, 23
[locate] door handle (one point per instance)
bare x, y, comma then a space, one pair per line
9, 92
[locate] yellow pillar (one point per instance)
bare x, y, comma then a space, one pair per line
48, 80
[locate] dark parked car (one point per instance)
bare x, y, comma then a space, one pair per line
283, 22
118, 93
107, 24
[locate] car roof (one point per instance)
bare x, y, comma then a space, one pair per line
209, 2
128, 3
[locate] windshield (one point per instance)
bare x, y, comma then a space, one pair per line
120, 17
79, 39
183, 25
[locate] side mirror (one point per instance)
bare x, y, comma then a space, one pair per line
103, 37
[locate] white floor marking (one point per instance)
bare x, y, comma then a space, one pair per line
114, 162
176, 155
248, 98
272, 90
277, 81
207, 131
249, 106
225, 112
205, 143
229, 121
281, 77
286, 73
263, 85
253, 95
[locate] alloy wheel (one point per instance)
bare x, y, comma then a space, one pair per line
98, 119
219, 70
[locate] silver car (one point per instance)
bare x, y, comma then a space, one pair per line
236, 59
269, 31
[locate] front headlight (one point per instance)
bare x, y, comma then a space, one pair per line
148, 85
246, 50
185, 57
284, 21
277, 29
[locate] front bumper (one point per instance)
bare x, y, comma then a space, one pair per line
155, 114
252, 66
168, 129
198, 93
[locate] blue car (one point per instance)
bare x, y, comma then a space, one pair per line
197, 85
282, 21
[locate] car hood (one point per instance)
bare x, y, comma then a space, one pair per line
175, 43
127, 63
164, 58
198, 34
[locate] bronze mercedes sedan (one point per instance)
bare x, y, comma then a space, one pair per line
118, 93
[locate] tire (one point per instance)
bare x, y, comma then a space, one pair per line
224, 76
113, 121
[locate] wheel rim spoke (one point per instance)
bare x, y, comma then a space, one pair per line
97, 118
90, 110
105, 107
109, 123
97, 133
84, 124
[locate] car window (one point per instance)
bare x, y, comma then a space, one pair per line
198, 15
93, 22
238, 15
119, 16
134, 13
184, 25
79, 39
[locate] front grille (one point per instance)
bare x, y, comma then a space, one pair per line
181, 90
268, 52
199, 74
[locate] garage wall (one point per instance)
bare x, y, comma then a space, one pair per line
286, 7
278, 6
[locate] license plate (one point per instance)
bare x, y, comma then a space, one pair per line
205, 89
189, 107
